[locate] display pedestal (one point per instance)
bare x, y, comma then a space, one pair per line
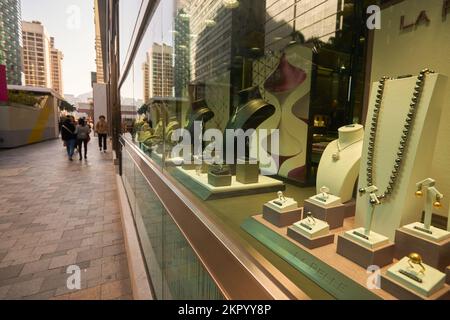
382, 255
396, 103
219, 180
247, 173
431, 287
282, 219
448, 275
311, 236
350, 209
333, 215
436, 254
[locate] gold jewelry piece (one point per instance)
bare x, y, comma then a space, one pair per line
310, 218
419, 194
437, 204
416, 259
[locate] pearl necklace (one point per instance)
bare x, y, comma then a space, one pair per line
404, 139
337, 155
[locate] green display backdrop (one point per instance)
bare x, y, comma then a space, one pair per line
334, 282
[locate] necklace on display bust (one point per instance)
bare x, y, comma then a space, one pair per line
337, 155
409, 122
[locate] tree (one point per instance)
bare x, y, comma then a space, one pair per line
143, 109
66, 106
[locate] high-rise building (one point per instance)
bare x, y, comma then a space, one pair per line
158, 72
42, 61
182, 40
146, 82
36, 55
98, 45
313, 19
222, 31
56, 58
11, 40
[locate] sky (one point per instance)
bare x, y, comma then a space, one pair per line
71, 22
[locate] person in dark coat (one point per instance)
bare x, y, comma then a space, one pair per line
69, 136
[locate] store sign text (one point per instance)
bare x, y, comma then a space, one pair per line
423, 18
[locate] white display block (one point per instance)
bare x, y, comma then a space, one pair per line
331, 202
202, 179
433, 280
436, 235
402, 207
288, 205
375, 240
341, 176
319, 229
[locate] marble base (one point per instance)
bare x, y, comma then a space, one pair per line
331, 202
219, 180
334, 216
277, 205
447, 272
363, 256
373, 241
282, 219
311, 231
433, 280
247, 173
434, 234
435, 254
297, 235
350, 209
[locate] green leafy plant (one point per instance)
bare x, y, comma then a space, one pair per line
143, 109
65, 106
24, 98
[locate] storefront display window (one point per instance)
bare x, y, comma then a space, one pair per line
347, 116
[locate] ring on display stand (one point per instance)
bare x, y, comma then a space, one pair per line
416, 259
281, 197
310, 218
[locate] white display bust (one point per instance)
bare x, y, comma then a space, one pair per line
432, 279
340, 163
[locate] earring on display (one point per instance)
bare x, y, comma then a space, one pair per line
419, 193
437, 204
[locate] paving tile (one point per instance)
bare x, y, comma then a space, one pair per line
116, 289
113, 250
45, 249
63, 261
43, 230
89, 255
41, 296
68, 245
3, 291
24, 289
10, 272
87, 294
35, 267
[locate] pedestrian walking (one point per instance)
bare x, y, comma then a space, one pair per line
83, 132
69, 136
102, 129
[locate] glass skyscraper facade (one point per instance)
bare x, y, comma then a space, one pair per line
11, 40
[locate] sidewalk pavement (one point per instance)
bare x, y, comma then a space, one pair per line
55, 214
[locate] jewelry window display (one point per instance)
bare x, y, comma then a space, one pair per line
371, 189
